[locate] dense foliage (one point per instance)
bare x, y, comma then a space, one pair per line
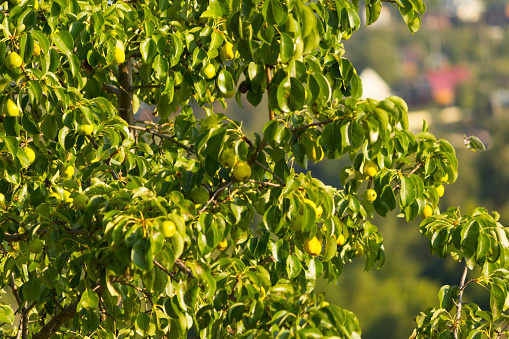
114, 226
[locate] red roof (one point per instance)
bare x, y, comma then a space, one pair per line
447, 79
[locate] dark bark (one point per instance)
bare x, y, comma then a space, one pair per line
125, 97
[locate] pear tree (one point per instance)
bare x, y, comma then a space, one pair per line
101, 236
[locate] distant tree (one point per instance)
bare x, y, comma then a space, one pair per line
113, 227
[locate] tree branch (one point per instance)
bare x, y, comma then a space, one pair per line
263, 183
319, 123
214, 196
460, 299
266, 260
415, 168
111, 89
15, 237
64, 316
165, 270
139, 289
281, 181
163, 136
501, 331
182, 266
147, 86
125, 98
54, 324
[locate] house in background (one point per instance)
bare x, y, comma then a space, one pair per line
443, 83
465, 10
373, 86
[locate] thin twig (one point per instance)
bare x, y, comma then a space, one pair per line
214, 196
165, 270
147, 86
111, 89
268, 170
501, 331
163, 136
460, 299
15, 290
319, 123
264, 183
266, 260
182, 266
139, 289
260, 147
415, 168
94, 143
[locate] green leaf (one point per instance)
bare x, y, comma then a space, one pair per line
286, 46
425, 136
373, 11
353, 18
407, 194
474, 144
138, 253
308, 20
330, 141
64, 42
142, 321
213, 11
148, 49
42, 40
35, 91
272, 219
89, 299
290, 94
27, 47
445, 296
12, 145
31, 290
293, 266
356, 133
6, 314
11, 126
483, 246
270, 130
49, 127
311, 42
225, 82
274, 12
331, 248
497, 300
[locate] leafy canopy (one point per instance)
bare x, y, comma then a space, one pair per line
120, 245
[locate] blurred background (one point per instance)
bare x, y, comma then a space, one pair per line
454, 74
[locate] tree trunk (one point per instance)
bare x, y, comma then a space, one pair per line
125, 97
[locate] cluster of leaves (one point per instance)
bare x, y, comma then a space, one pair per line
109, 267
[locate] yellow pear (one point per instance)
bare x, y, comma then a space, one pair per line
10, 108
